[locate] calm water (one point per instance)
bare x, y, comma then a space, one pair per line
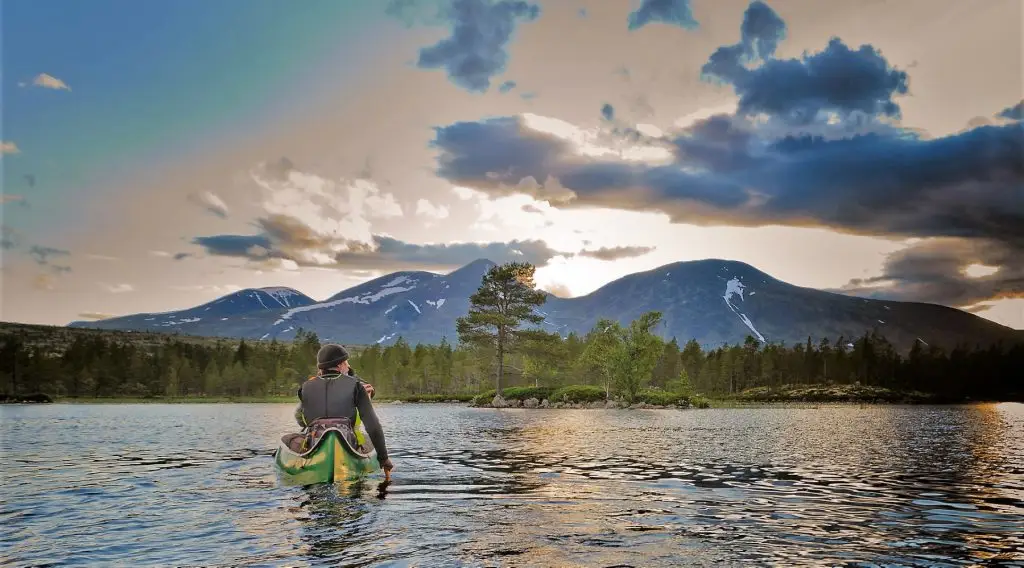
195, 484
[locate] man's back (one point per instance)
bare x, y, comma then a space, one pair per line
341, 396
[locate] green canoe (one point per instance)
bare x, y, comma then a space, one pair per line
334, 456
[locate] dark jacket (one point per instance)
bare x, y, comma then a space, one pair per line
341, 396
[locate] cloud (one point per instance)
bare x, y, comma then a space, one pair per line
301, 245
30, 179
278, 169
44, 282
49, 82
211, 203
216, 288
160, 253
608, 111
341, 212
392, 253
42, 255
947, 271
1015, 112
95, 315
727, 172
616, 253
558, 290
8, 198
760, 33
531, 208
428, 209
9, 238
7, 147
506, 86
100, 257
476, 50
182, 255
674, 12
117, 288
837, 80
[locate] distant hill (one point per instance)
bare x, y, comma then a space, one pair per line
244, 303
713, 301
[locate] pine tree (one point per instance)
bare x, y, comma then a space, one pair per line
506, 298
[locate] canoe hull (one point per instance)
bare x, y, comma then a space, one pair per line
332, 460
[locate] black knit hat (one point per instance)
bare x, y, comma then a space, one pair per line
331, 355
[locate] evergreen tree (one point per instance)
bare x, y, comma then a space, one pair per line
506, 298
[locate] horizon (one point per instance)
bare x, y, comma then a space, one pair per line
171, 166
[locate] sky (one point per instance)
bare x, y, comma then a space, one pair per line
157, 155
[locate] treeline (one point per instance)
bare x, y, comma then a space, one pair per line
99, 366
622, 360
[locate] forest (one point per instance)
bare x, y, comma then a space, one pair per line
493, 351
102, 366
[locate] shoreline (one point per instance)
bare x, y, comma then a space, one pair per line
714, 403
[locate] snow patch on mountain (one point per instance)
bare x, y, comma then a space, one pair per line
436, 303
414, 306
735, 287
363, 299
280, 294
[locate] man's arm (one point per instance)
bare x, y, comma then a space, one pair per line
373, 427
300, 418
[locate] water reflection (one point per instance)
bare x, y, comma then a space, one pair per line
173, 485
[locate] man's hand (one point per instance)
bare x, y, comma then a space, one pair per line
369, 389
387, 466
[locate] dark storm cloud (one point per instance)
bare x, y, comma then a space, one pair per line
937, 272
963, 185
476, 50
674, 12
506, 86
760, 33
837, 79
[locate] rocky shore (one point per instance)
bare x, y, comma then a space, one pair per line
499, 402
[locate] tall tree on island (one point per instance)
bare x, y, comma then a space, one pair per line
506, 298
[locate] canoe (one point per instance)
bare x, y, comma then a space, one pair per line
334, 456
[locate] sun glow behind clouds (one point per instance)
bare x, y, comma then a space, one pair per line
595, 142
980, 270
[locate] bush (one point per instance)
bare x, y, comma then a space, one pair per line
483, 398
697, 401
662, 398
523, 393
578, 393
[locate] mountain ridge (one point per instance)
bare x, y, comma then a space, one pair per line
715, 301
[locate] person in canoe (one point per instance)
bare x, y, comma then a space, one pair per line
336, 393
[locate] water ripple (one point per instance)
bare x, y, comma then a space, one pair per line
195, 485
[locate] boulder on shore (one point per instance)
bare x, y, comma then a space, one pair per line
498, 402
531, 403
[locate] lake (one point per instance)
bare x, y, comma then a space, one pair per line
195, 484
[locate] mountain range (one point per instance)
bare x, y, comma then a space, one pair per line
713, 301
